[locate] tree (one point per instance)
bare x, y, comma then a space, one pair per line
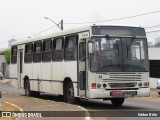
7, 56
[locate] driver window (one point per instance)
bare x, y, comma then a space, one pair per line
96, 45
82, 51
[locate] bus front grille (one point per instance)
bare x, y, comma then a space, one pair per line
122, 85
123, 77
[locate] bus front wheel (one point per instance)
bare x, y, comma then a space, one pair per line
69, 93
117, 101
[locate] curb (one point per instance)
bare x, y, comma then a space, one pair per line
5, 81
87, 113
20, 109
16, 106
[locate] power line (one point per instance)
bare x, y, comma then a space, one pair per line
153, 31
42, 31
153, 26
100, 21
103, 21
38, 32
32, 34
122, 18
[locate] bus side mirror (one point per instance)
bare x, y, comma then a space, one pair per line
90, 46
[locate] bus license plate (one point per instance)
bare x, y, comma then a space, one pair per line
119, 93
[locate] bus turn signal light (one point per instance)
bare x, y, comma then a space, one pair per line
93, 85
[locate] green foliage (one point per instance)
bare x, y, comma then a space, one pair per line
7, 56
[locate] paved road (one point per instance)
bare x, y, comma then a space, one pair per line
16, 96
99, 105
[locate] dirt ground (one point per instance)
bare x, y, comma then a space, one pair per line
8, 107
154, 97
35, 104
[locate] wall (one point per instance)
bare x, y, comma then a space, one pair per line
154, 54
153, 82
2, 60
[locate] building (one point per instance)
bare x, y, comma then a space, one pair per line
154, 59
157, 40
2, 61
150, 44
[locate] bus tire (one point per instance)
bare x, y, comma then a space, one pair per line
117, 101
69, 93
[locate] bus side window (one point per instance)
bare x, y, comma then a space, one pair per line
37, 55
71, 47
47, 46
14, 55
58, 52
28, 58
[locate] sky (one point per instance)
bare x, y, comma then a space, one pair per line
23, 18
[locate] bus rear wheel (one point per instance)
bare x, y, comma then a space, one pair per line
117, 101
69, 93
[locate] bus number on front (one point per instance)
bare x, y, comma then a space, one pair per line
84, 35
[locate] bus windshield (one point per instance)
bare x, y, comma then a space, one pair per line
119, 54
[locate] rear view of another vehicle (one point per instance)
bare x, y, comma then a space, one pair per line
1, 76
158, 87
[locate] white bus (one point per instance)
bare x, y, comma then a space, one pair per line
92, 62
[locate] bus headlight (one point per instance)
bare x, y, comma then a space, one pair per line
140, 84
98, 85
104, 85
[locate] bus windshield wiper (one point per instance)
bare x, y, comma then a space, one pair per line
131, 41
113, 42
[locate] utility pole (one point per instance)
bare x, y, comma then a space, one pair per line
62, 24
59, 25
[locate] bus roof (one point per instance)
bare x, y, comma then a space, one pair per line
51, 35
60, 33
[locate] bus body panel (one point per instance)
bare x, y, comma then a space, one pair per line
56, 71
57, 87
46, 77
69, 69
13, 75
102, 93
37, 75
28, 70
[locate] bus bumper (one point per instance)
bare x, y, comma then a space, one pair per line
102, 93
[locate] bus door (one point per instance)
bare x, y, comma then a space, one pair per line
82, 68
20, 67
